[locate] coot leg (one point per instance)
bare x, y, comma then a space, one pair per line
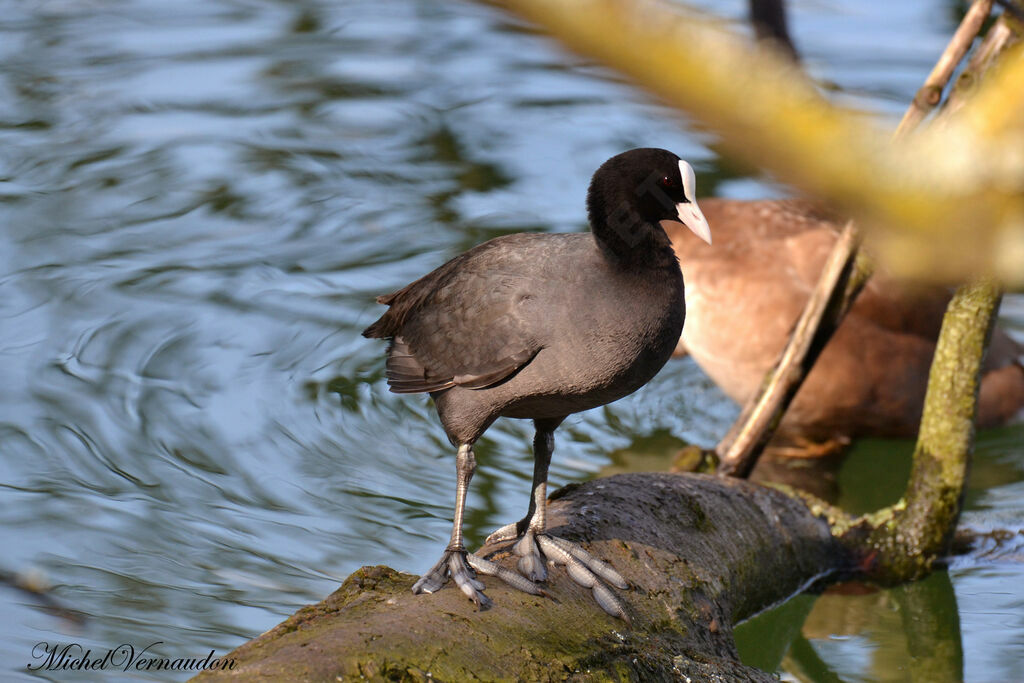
535, 544
453, 562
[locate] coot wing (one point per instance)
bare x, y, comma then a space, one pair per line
465, 323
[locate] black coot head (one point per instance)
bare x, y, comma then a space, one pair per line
631, 192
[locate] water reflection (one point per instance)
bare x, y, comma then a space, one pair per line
200, 201
858, 632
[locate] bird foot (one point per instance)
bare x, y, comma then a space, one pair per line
454, 564
509, 532
460, 566
583, 568
806, 448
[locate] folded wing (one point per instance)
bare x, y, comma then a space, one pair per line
464, 324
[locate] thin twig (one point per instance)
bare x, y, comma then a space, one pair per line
1000, 37
739, 450
930, 94
756, 424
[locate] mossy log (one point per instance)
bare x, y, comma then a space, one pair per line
701, 553
902, 542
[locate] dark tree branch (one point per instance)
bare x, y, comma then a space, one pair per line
770, 25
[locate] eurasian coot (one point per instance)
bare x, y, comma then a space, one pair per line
540, 326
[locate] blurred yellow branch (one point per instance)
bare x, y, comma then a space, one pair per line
940, 204
996, 110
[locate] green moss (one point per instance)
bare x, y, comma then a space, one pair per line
701, 522
902, 542
839, 521
693, 458
378, 579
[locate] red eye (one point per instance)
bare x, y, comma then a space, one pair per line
666, 182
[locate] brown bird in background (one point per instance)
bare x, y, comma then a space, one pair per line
744, 294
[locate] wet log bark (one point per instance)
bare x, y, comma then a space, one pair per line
701, 553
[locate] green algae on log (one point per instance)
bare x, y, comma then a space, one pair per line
902, 543
701, 553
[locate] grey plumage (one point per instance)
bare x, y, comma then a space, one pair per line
540, 327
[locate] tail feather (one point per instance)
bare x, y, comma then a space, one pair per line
407, 375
